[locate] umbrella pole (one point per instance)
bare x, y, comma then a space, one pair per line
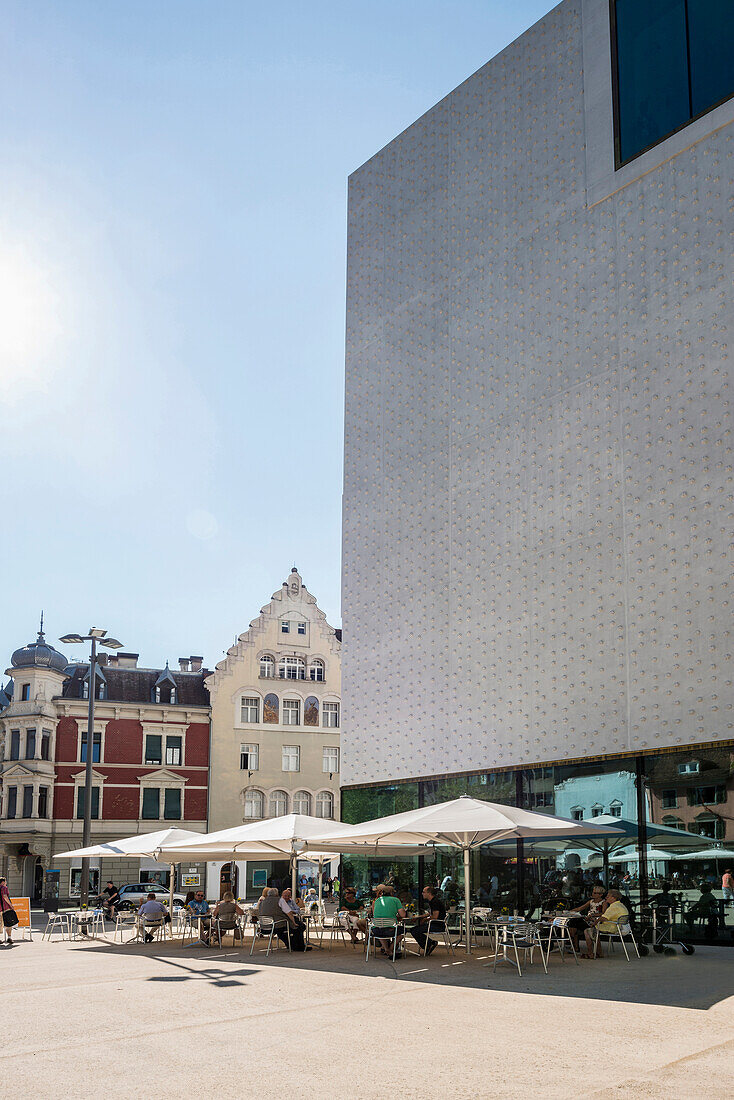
170, 889
294, 874
321, 879
605, 864
467, 902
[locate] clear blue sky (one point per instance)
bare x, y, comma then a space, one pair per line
172, 258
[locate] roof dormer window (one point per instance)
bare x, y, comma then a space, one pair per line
689, 767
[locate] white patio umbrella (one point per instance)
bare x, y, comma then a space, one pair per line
464, 823
145, 845
284, 837
661, 836
723, 854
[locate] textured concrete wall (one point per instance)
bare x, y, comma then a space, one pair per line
538, 461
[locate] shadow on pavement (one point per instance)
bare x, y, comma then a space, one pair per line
694, 982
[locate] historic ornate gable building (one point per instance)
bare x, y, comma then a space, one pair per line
276, 702
150, 755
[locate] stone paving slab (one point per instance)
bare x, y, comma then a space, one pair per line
87, 1018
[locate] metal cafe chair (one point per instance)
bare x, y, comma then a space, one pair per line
221, 926
434, 929
155, 927
514, 940
125, 919
373, 933
622, 932
56, 922
269, 928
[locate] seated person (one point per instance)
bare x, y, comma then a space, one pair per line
349, 909
386, 905
436, 914
664, 902
614, 914
153, 912
269, 906
110, 898
199, 910
705, 908
293, 914
591, 909
311, 902
226, 912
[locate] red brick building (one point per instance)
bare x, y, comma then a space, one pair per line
150, 756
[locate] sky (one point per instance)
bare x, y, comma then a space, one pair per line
172, 280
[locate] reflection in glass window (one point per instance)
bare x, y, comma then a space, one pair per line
267, 666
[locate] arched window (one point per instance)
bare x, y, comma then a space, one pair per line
316, 671
674, 822
292, 668
325, 804
253, 804
302, 802
267, 666
278, 804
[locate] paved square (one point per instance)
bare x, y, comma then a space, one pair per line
87, 1020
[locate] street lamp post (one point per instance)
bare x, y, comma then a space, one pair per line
96, 637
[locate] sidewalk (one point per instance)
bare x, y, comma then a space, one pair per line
86, 1018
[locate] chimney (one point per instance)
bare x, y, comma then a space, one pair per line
183, 664
127, 660
196, 663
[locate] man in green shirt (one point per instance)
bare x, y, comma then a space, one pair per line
387, 907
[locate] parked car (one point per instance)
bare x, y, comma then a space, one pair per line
132, 894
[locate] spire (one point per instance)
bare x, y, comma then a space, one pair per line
165, 677
40, 632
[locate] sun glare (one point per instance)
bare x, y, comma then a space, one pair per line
30, 321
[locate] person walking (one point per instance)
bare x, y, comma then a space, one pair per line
10, 917
727, 886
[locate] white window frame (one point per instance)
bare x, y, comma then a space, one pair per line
248, 795
285, 626
181, 749
289, 755
274, 794
317, 666
161, 780
330, 753
577, 813
615, 808
325, 798
291, 662
290, 707
249, 703
253, 753
301, 628
332, 709
299, 799
269, 662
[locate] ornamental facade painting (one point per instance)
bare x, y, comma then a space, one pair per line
311, 711
270, 708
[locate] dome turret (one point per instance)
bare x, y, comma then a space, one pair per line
39, 654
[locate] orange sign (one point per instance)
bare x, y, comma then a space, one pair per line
22, 907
